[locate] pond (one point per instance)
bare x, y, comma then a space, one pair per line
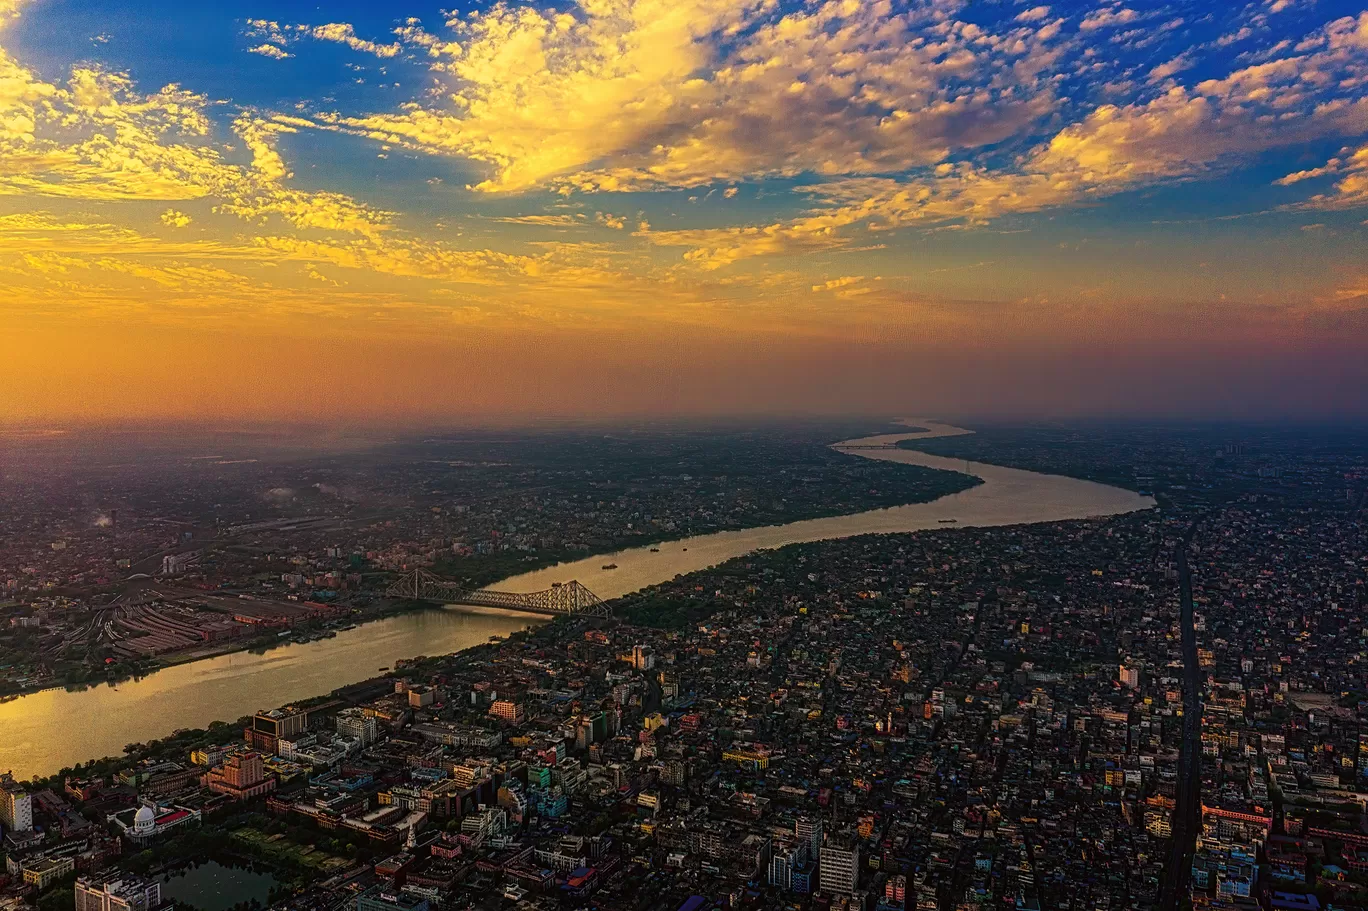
211, 886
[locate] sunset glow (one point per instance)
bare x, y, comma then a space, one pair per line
606, 207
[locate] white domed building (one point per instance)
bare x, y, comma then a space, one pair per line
149, 822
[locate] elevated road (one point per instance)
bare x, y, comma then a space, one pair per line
1187, 813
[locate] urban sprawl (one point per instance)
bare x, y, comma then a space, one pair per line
1158, 710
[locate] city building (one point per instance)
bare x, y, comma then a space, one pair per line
839, 869
506, 710
318, 750
787, 860
357, 725
269, 728
384, 898
975, 733
44, 872
809, 830
123, 893
149, 822
16, 806
242, 775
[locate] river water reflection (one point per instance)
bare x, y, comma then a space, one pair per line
49, 730
53, 729
1007, 496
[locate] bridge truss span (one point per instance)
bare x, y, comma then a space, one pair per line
562, 599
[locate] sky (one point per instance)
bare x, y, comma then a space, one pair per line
361, 212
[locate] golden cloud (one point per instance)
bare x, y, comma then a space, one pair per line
544, 221
270, 50
629, 94
899, 112
278, 35
343, 33
1182, 133
9, 9
1109, 17
1351, 190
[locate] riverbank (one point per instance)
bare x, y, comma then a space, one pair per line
1003, 496
258, 645
41, 739
57, 728
805, 480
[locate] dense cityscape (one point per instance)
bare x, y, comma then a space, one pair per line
238, 549
684, 455
1156, 710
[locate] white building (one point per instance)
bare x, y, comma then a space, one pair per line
357, 725
809, 830
489, 823
319, 750
16, 808
839, 870
128, 893
149, 822
175, 564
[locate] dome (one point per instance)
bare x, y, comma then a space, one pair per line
145, 820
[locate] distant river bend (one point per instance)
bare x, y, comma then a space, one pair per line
1007, 496
46, 731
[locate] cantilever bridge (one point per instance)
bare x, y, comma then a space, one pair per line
568, 599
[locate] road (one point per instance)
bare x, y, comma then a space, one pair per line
1187, 814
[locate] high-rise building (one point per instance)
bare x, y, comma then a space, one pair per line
788, 858
1129, 675
357, 725
507, 710
127, 893
16, 806
269, 728
839, 869
599, 723
243, 775
809, 829
674, 772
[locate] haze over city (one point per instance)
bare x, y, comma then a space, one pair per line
684, 455
637, 207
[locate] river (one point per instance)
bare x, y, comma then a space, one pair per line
53, 729
1007, 496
